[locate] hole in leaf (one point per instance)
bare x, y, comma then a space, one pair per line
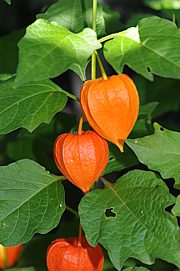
109, 212
111, 158
162, 129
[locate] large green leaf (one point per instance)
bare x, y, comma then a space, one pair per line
160, 152
48, 50
29, 105
150, 48
77, 14
31, 199
129, 220
9, 52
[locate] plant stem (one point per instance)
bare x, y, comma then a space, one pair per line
71, 96
93, 59
109, 37
80, 126
72, 211
104, 75
106, 183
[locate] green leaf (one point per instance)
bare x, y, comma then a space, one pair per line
47, 50
147, 109
119, 161
29, 105
176, 208
129, 220
150, 48
135, 268
8, 1
77, 14
9, 52
163, 4
160, 152
32, 201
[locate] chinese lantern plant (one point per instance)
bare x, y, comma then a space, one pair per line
129, 218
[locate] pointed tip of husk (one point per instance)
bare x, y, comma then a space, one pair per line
121, 145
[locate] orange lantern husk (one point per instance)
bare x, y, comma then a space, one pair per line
68, 255
111, 107
81, 157
11, 254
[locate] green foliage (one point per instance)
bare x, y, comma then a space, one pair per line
9, 52
176, 208
159, 91
119, 161
143, 124
163, 4
32, 201
77, 15
8, 1
160, 152
46, 42
129, 220
135, 269
150, 48
30, 105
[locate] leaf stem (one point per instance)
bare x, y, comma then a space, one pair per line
104, 75
106, 183
70, 95
93, 59
72, 211
109, 37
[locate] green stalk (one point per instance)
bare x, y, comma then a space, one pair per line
93, 59
104, 75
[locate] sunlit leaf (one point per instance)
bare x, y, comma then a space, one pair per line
47, 50
152, 47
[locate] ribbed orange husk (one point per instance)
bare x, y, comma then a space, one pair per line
12, 254
111, 107
81, 157
67, 255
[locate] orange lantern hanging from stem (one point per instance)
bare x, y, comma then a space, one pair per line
111, 106
81, 157
70, 255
